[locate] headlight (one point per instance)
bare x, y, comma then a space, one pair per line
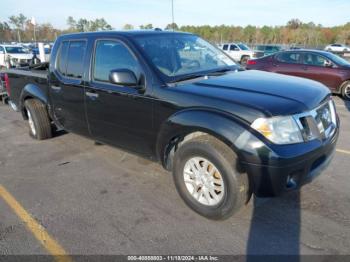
279, 130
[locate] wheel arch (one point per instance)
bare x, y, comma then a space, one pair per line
191, 123
31, 91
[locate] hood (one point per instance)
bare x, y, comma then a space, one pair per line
269, 94
21, 56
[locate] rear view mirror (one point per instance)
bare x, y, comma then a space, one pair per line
123, 77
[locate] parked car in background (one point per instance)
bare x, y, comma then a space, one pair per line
36, 55
268, 49
14, 56
241, 53
225, 133
337, 48
325, 67
3, 87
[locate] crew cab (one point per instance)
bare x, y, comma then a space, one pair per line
14, 56
172, 97
239, 52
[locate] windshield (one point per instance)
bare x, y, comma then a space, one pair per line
338, 60
243, 47
179, 55
15, 50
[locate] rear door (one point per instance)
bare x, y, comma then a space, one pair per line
67, 86
119, 115
288, 63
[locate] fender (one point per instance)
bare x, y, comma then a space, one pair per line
216, 123
31, 91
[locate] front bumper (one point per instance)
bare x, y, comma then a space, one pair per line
289, 167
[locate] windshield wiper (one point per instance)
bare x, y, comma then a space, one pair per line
220, 71
212, 73
187, 77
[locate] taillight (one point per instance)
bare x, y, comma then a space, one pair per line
251, 62
7, 83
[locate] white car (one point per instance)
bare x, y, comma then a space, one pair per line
337, 48
14, 56
239, 52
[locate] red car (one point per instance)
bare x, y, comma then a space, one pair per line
327, 68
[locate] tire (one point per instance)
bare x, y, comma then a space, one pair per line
38, 119
234, 185
345, 90
244, 60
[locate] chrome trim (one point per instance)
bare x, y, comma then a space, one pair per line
312, 114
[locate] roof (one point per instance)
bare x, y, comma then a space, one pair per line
308, 50
126, 33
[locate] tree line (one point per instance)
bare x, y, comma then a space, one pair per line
21, 29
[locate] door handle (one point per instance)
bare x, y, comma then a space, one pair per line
91, 95
304, 68
56, 88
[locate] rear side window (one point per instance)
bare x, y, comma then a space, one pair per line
70, 58
225, 47
62, 58
75, 59
291, 58
109, 55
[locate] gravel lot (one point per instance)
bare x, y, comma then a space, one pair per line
95, 199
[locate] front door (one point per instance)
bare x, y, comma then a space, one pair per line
315, 68
234, 52
119, 115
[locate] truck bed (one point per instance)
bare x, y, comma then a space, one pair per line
21, 77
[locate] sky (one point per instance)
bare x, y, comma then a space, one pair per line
187, 12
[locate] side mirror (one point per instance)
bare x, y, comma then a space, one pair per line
2, 52
328, 63
123, 77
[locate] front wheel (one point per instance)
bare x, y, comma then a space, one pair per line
346, 90
207, 178
38, 119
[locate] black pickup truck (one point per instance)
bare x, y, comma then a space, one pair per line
225, 133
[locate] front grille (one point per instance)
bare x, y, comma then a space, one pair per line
320, 122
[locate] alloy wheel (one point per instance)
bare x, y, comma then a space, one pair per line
203, 181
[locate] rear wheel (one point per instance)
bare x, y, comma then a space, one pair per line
345, 91
38, 119
206, 177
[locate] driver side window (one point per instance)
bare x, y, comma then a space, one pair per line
109, 55
234, 48
314, 60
